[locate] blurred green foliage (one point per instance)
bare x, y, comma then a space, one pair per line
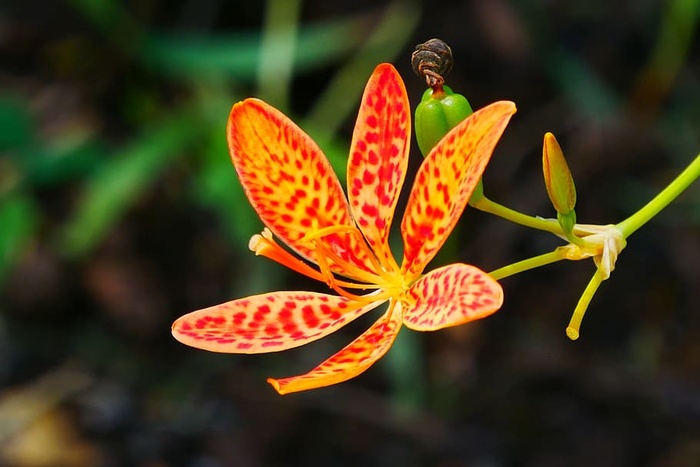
217, 69
211, 72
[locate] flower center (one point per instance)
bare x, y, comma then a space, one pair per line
373, 275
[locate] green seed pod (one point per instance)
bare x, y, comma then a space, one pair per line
437, 114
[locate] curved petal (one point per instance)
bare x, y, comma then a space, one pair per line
445, 182
354, 359
289, 181
451, 295
267, 323
379, 157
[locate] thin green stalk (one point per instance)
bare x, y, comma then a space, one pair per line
527, 264
572, 330
491, 207
572, 238
660, 201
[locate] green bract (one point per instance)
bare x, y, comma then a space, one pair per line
437, 113
567, 222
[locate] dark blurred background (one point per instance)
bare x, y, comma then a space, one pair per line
119, 211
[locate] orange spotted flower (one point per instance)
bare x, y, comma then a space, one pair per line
344, 242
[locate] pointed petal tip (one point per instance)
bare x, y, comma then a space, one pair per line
174, 328
241, 106
506, 107
389, 70
275, 384
293, 384
385, 66
177, 327
237, 111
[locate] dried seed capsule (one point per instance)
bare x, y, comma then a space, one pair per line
433, 60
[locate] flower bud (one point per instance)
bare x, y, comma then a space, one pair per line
557, 176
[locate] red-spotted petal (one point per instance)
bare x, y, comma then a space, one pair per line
354, 359
449, 296
379, 157
289, 181
445, 182
267, 323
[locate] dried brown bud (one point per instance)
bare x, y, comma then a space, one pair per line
433, 60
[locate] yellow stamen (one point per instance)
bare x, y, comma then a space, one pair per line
377, 295
317, 233
388, 285
265, 245
380, 273
323, 253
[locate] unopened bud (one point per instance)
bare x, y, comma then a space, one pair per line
557, 176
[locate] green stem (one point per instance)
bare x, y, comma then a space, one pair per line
572, 330
527, 264
660, 201
491, 207
572, 238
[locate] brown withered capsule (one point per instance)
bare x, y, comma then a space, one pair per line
433, 60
